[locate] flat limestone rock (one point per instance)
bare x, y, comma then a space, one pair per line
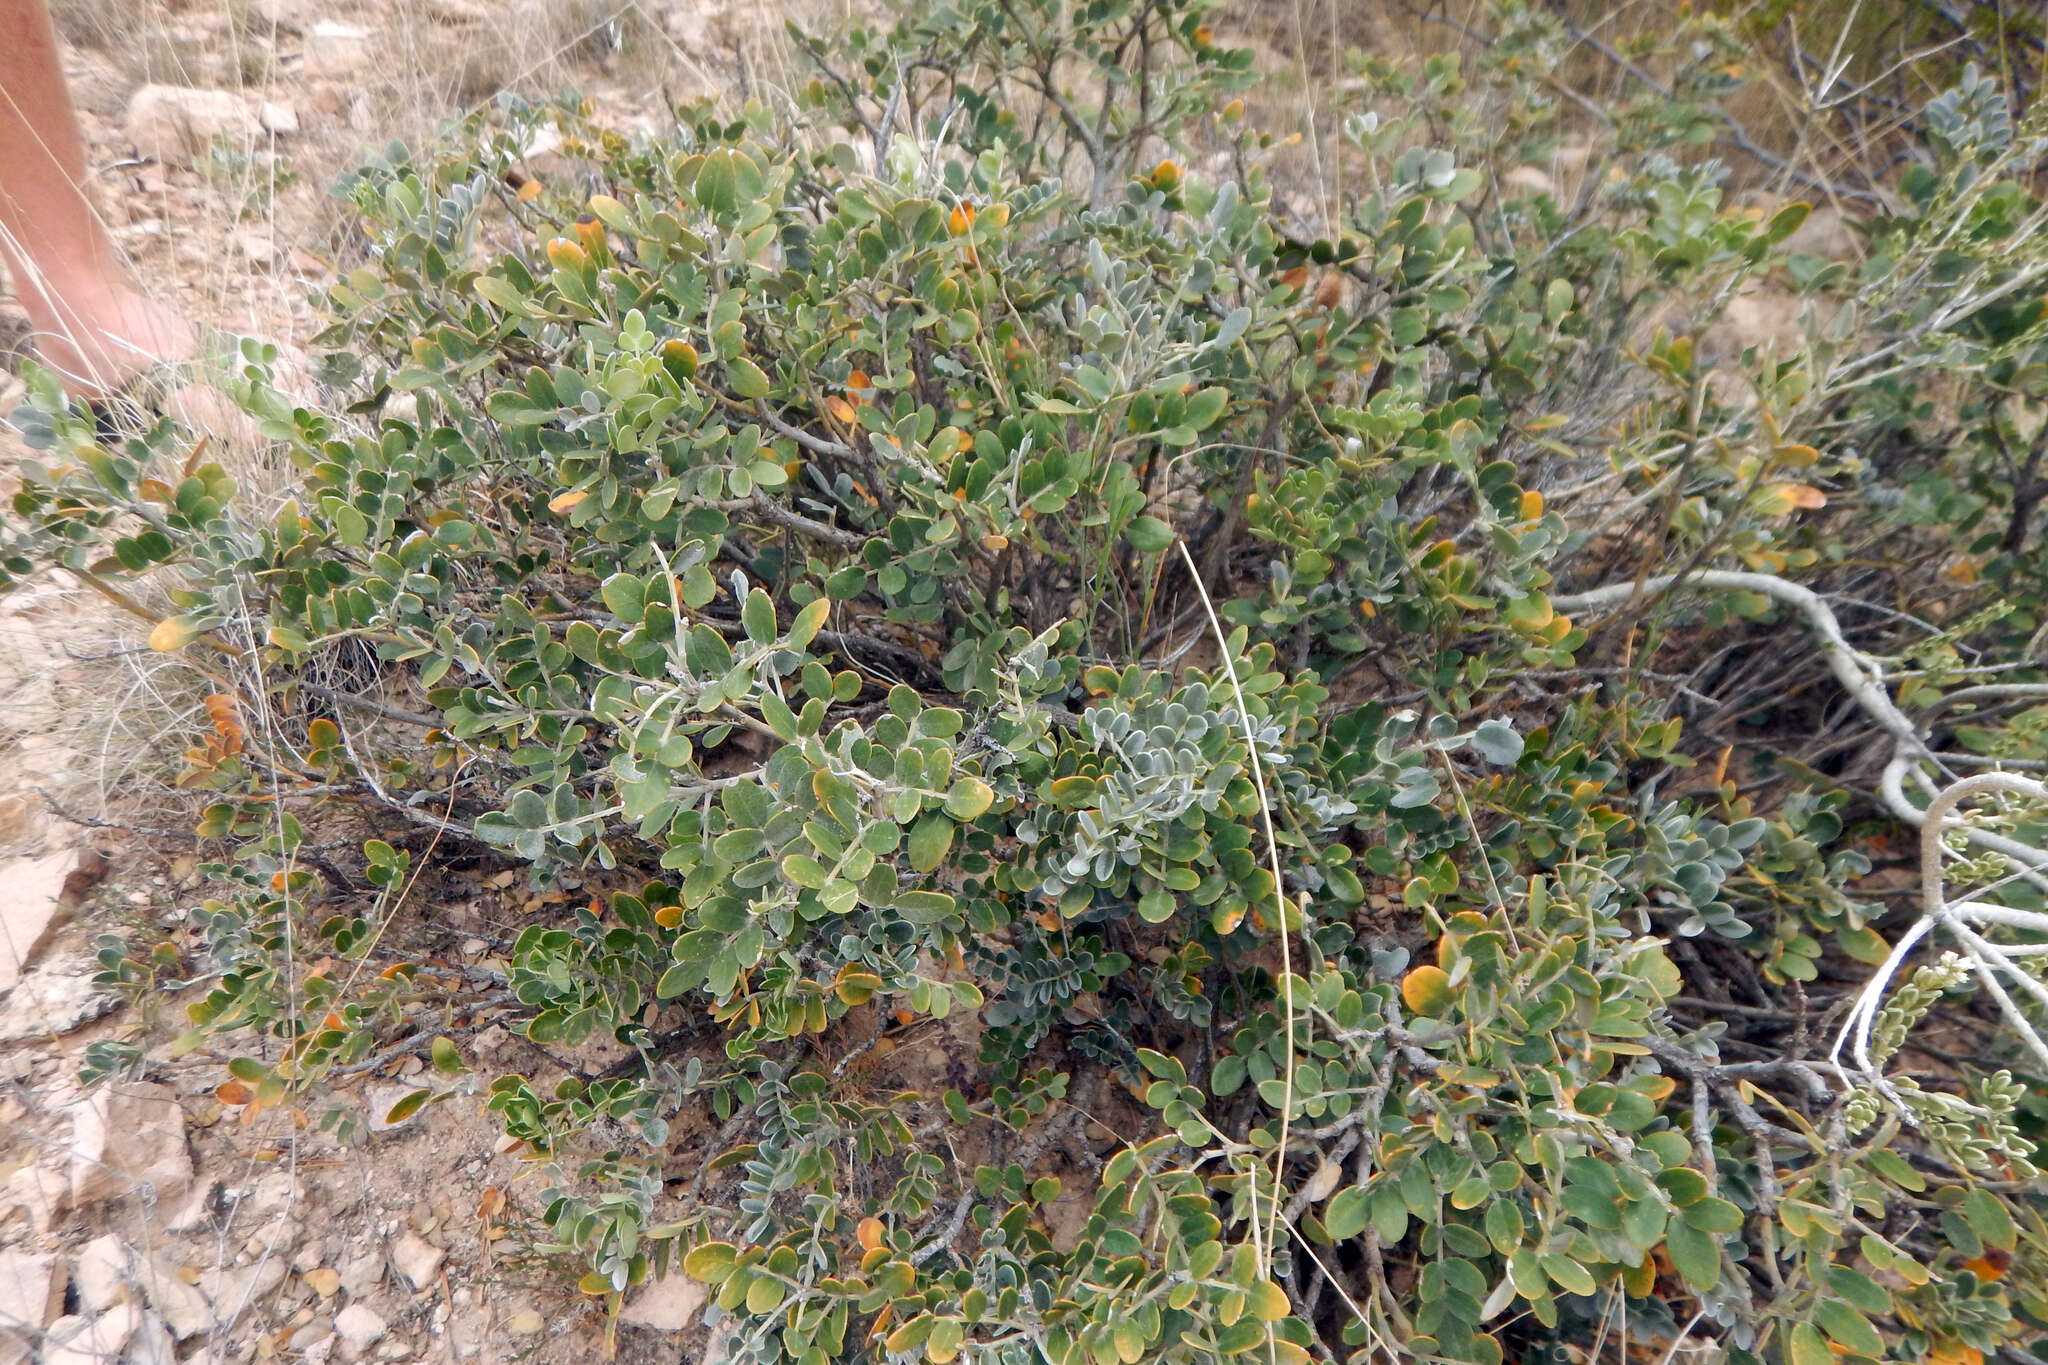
31, 905
55, 998
125, 1136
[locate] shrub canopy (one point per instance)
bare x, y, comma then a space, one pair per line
1319, 719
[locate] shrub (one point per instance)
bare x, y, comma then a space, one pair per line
947, 550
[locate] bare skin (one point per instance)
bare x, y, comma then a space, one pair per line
91, 323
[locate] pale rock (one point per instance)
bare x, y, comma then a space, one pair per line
379, 1099
417, 1260
129, 1135
258, 248
1529, 180
285, 14
666, 1305
104, 1273
1571, 159
466, 1331
277, 117
31, 905
200, 1209
98, 1341
56, 998
269, 1196
541, 156
1827, 233
456, 11
359, 1327
362, 1273
525, 1323
175, 124
234, 1290
335, 49
718, 1346
31, 1291
304, 1337
183, 1308
1766, 318
687, 25
151, 1344
43, 1191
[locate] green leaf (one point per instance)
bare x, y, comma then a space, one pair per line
1859, 1289
1497, 742
808, 622
711, 1262
1849, 1327
1808, 1347
747, 379
727, 179
758, 616
969, 798
625, 596
1786, 221
805, 871
407, 1106
1713, 1215
1988, 1217
1567, 1274
1347, 1213
447, 1060
926, 907
930, 839
1696, 1255
1149, 535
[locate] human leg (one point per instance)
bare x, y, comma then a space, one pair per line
90, 322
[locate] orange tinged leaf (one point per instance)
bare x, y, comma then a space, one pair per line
1295, 278
1532, 505
529, 192
680, 355
1991, 1266
564, 254
1806, 496
234, 1092
841, 411
1166, 174
869, 1233
562, 502
1426, 989
960, 219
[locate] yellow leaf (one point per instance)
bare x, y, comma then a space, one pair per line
562, 502
1268, 1301
173, 634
